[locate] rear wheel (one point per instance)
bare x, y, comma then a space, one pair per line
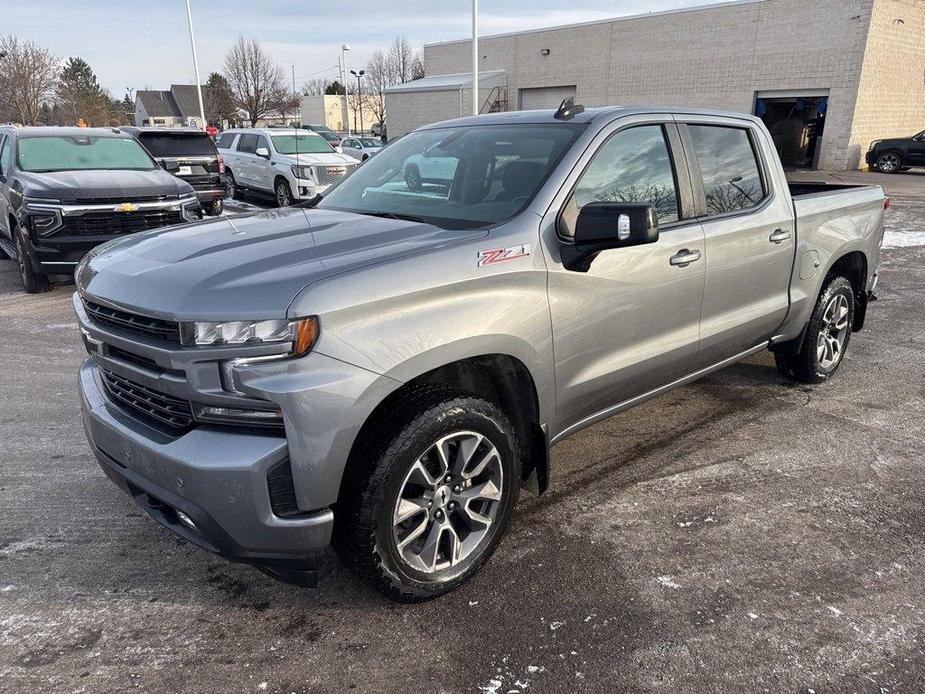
827, 336
283, 193
889, 162
33, 282
215, 208
413, 177
429, 497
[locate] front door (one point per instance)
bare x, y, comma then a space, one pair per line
630, 323
917, 151
262, 168
750, 235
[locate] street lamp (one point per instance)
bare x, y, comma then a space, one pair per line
475, 57
343, 65
358, 75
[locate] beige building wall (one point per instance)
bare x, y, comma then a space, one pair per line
891, 96
330, 110
406, 111
713, 57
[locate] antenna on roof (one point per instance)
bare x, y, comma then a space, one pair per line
568, 109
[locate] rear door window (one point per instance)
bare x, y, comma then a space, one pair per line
731, 173
247, 144
6, 155
226, 140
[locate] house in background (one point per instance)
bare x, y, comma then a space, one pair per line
177, 107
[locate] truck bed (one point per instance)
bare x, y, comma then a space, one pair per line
804, 188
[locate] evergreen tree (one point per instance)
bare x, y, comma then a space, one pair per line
80, 95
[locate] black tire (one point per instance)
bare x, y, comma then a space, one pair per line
413, 177
215, 208
377, 473
889, 162
805, 364
33, 282
283, 193
232, 192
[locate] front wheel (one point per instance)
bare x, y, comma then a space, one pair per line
827, 336
33, 282
889, 162
232, 192
428, 499
283, 193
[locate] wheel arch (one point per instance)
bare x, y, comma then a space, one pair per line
853, 266
501, 379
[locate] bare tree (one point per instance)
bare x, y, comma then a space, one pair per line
401, 57
256, 82
314, 87
28, 76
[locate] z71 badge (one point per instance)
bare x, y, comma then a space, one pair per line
500, 255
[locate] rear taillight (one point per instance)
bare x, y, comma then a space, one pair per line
221, 164
886, 203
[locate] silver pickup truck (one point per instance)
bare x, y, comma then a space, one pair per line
385, 369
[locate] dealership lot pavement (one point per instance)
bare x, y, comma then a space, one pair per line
740, 534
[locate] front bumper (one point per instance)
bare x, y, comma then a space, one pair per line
208, 486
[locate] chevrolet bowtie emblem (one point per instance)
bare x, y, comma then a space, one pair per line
126, 207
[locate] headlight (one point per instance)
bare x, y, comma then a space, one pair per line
44, 224
190, 208
301, 334
301, 171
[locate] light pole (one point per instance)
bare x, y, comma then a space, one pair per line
343, 65
192, 40
358, 75
475, 57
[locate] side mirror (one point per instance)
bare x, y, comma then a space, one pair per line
262, 152
170, 166
604, 225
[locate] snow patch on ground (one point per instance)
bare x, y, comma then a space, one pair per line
903, 239
668, 582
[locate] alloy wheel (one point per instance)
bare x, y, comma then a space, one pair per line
448, 502
230, 188
283, 198
889, 162
830, 345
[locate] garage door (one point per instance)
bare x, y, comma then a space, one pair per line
544, 97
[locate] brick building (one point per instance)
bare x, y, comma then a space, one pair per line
827, 76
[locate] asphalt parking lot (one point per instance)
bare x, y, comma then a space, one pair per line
740, 534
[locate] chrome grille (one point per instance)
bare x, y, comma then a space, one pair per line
326, 175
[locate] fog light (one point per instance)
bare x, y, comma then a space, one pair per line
237, 415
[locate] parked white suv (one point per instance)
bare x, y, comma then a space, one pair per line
288, 164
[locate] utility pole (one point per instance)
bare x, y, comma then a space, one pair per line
343, 64
192, 40
475, 57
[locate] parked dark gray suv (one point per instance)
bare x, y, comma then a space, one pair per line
198, 161
64, 191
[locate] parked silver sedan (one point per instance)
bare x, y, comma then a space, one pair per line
360, 148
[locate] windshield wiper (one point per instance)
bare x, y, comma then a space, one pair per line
394, 215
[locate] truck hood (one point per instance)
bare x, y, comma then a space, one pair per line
245, 267
82, 185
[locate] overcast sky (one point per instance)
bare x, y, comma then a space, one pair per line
137, 45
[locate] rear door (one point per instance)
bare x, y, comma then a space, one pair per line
917, 150
631, 323
244, 170
750, 236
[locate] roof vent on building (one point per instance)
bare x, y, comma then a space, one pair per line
568, 109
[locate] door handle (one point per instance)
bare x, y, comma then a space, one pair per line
779, 236
684, 257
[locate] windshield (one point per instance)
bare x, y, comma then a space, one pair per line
319, 128
301, 144
79, 152
178, 145
370, 142
456, 178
